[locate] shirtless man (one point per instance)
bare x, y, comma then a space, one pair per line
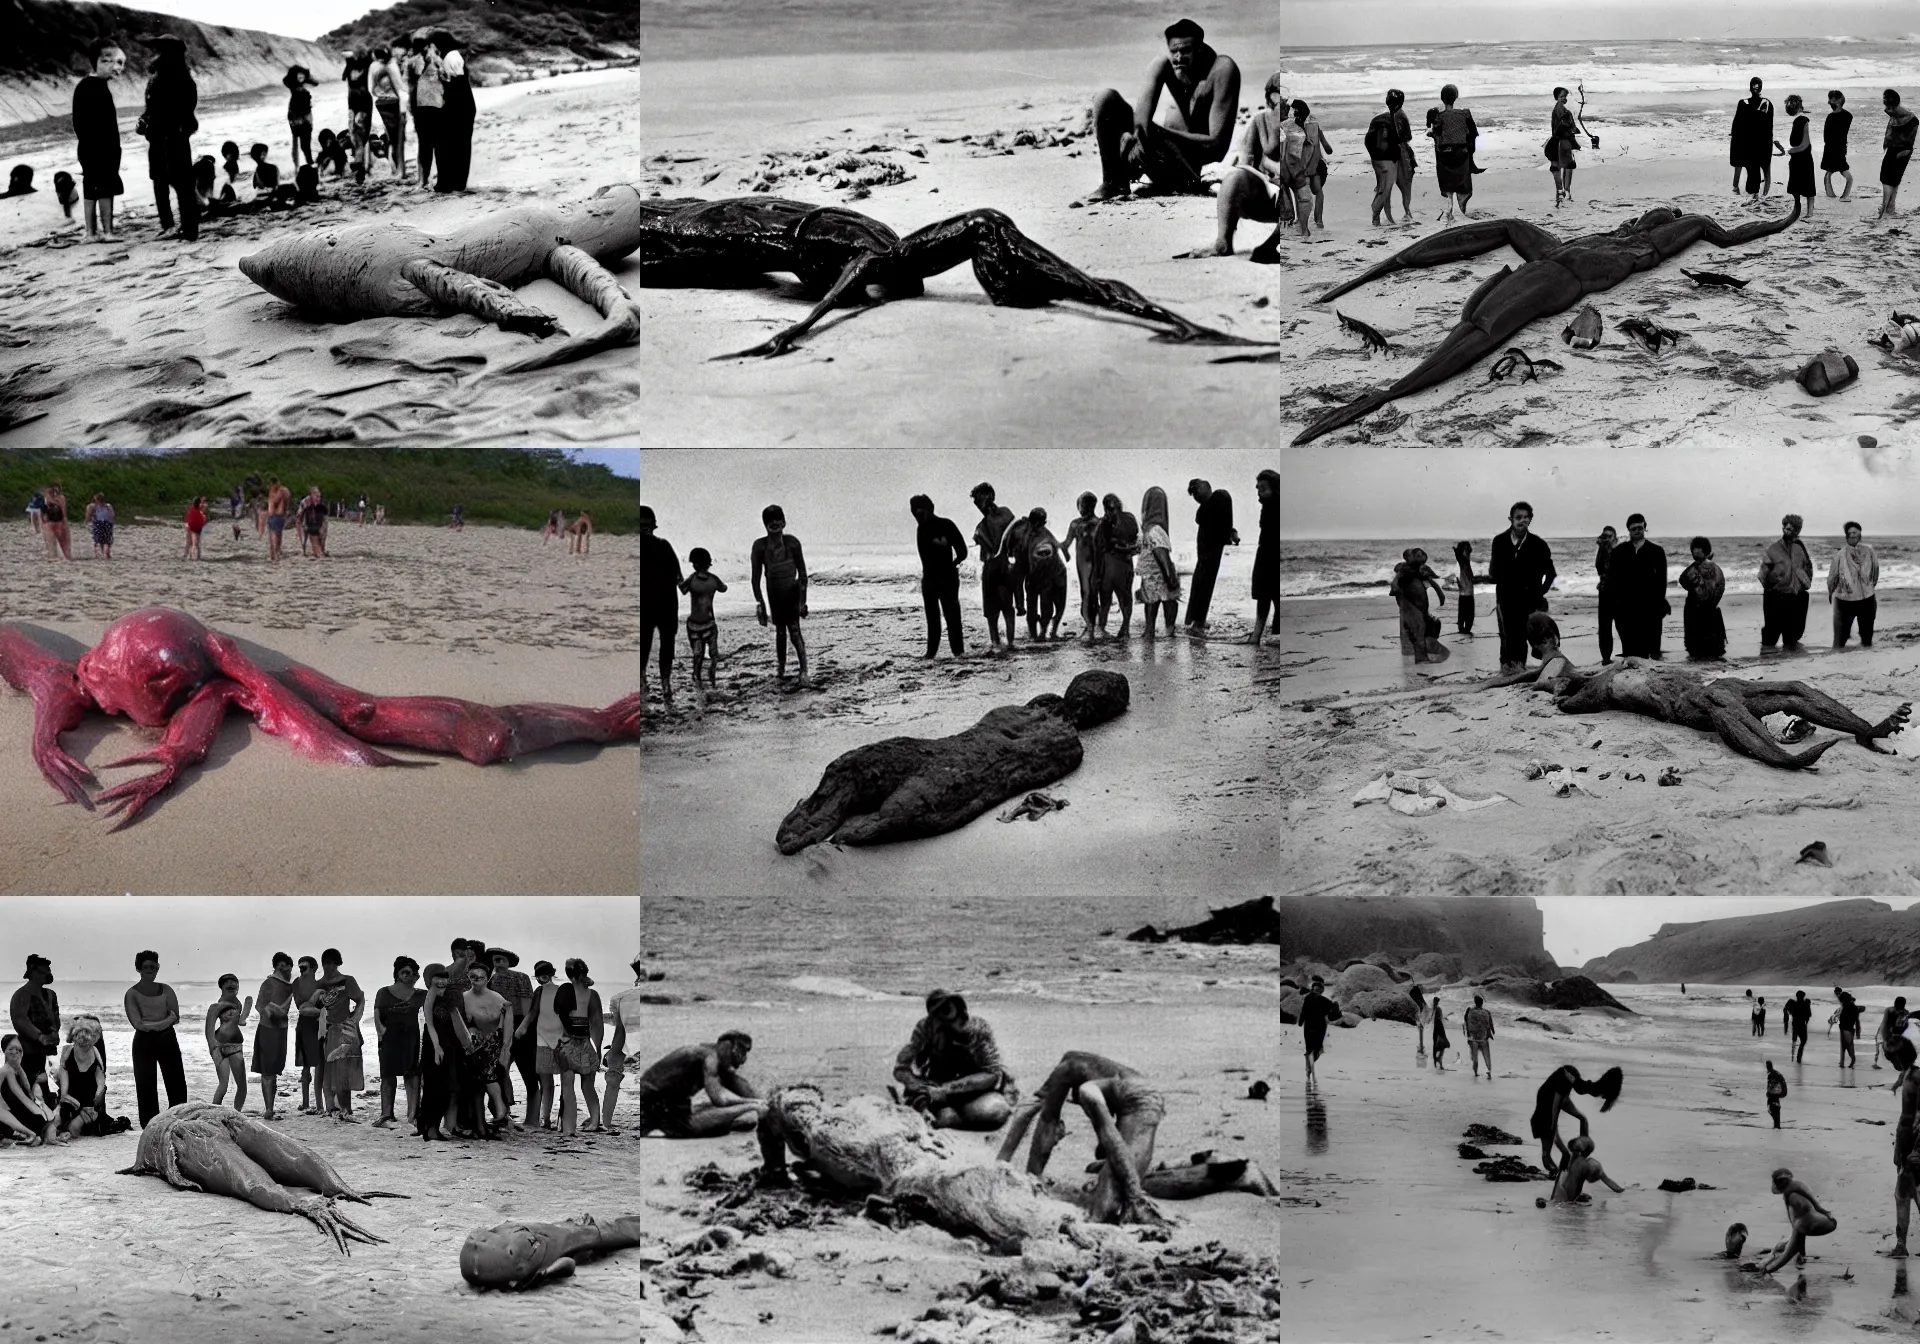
1125, 1112
490, 1025
1569, 1187
1205, 87
279, 507
1543, 636
668, 1087
1804, 1215
580, 533
1900, 1054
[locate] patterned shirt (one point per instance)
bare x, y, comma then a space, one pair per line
516, 987
942, 1052
1479, 1024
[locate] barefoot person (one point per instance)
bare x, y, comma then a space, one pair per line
580, 534
23, 1111
785, 604
1805, 1218
270, 1037
1898, 146
225, 1043
1215, 532
396, 1026
1555, 1099
152, 1010
514, 986
660, 580
1479, 1026
670, 1084
308, 1054
1266, 557
1125, 1111
624, 1008
82, 1078
950, 1068
1204, 86
1250, 189
341, 1000
1316, 1011
1900, 1054
279, 506
96, 126
996, 569
583, 1027
1833, 152
942, 551
481, 1072
1569, 1187
1520, 567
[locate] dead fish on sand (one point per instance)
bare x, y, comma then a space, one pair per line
1649, 336
1373, 339
1714, 280
1512, 359
1583, 333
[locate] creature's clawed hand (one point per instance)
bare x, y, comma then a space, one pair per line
69, 776
126, 800
768, 349
534, 323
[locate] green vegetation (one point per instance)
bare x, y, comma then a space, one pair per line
507, 28
511, 486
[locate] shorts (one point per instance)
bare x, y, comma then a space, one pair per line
672, 1116
1132, 1096
1892, 168
701, 636
277, 522
575, 1054
300, 124
783, 605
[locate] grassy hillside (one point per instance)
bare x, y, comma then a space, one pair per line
503, 27
514, 487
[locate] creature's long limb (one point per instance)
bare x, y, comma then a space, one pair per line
1798, 698
489, 300
189, 735
482, 734
1207, 1178
209, 1158
1017, 272
1739, 729
865, 269
589, 281
856, 782
59, 703
291, 1162
1674, 237
1118, 1196
1448, 245
285, 715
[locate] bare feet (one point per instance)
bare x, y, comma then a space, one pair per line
1108, 191
1217, 250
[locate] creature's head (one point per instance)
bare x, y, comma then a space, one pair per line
514, 1256
147, 664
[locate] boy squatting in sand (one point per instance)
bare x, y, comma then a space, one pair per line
702, 631
1569, 1187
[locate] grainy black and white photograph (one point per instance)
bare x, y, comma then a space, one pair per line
959, 855
339, 1117
319, 221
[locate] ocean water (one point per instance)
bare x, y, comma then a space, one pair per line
1330, 569
1532, 69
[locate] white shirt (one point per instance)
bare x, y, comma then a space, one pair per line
454, 64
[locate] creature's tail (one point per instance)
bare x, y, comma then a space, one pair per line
1747, 233
588, 280
1343, 416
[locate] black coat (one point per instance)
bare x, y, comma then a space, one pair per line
1637, 582
169, 123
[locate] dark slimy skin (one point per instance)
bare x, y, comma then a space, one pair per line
515, 1256
838, 254
906, 788
164, 669
1556, 276
1730, 706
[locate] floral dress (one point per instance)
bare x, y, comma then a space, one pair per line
1153, 584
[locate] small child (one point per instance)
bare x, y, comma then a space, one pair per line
265, 175
702, 632
230, 171
229, 1060
1776, 1092
1581, 1167
196, 520
333, 154
204, 173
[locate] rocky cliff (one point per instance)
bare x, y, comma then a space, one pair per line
1481, 932
1834, 943
44, 52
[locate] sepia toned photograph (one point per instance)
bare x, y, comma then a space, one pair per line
319, 221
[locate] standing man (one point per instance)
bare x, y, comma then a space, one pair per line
517, 989
1776, 1092
279, 506
1901, 125
270, 1037
1786, 573
172, 98
1316, 1011
35, 1011
1833, 134
1479, 1024
1521, 568
942, 548
1215, 520
384, 79
1852, 582
1266, 557
152, 1010
1604, 546
1900, 1054
1849, 1029
996, 571
309, 1047
1204, 86
1751, 149
624, 1008
1797, 1013
1637, 591
660, 580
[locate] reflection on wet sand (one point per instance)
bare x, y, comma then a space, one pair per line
1316, 1121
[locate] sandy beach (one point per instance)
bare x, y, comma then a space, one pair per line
1829, 281
938, 134
159, 342
1373, 1178
485, 614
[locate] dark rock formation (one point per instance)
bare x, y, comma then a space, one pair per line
1857, 941
907, 788
1482, 931
1575, 991
1253, 921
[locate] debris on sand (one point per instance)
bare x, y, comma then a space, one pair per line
1469, 1151
1684, 1184
1507, 1167
1489, 1134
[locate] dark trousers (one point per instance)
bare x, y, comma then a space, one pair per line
1845, 613
1606, 629
1799, 1041
1773, 1109
1754, 172
1466, 613
523, 1057
157, 1050
1513, 628
1783, 619
1200, 591
1640, 634
436, 1089
426, 131
182, 187
942, 599
455, 137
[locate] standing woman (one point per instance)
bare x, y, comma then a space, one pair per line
384, 79
426, 92
1383, 151
456, 117
445, 1034
100, 523
168, 124
1704, 627
1159, 578
1440, 1041
1115, 539
1266, 559
547, 1031
1800, 154
152, 1010
359, 109
1603, 557
396, 1025
1403, 139
298, 80
1081, 530
1454, 136
578, 1007
1833, 136
1561, 144
57, 531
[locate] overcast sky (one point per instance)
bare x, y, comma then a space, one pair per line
296, 18
1367, 22
1399, 492
95, 938
713, 499
1580, 928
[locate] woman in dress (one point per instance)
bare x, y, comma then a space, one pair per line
1080, 531
82, 1074
1454, 135
1159, 578
547, 1031
1440, 1040
1705, 628
1800, 155
444, 1033
1266, 558
396, 1025
578, 1007
22, 1113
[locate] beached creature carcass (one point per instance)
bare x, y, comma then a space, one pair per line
164, 669
1556, 276
200, 1146
392, 269
840, 255
907, 788
523, 1255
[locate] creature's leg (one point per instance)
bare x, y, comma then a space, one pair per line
1796, 697
1128, 1149
853, 783
592, 283
1207, 1178
865, 269
488, 300
1675, 236
189, 735
59, 703
1017, 272
284, 714
482, 734
1739, 729
1450, 245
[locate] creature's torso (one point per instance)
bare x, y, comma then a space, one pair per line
146, 665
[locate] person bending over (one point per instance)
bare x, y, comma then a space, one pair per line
669, 1085
950, 1068
1125, 1112
1569, 1187
1805, 1218
1556, 1098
